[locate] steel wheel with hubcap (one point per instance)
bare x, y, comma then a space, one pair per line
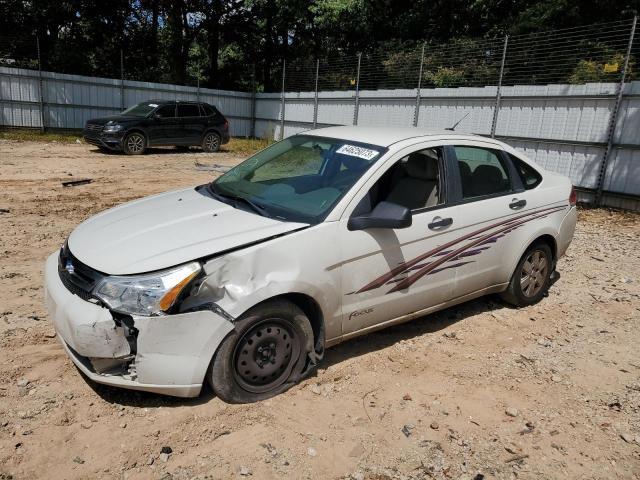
211, 142
531, 278
134, 144
533, 273
264, 355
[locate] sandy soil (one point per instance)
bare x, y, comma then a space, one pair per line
481, 391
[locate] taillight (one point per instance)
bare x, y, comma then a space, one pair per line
573, 197
226, 125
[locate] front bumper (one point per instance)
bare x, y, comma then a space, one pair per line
112, 141
172, 352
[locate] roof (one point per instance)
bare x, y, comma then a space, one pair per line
383, 136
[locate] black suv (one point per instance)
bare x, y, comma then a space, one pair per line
159, 123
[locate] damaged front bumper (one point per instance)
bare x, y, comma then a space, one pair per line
168, 354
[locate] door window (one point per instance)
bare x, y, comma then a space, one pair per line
188, 110
414, 182
208, 111
166, 111
481, 172
530, 178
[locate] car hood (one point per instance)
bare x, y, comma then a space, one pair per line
113, 118
164, 230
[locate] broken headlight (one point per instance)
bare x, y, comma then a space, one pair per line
149, 294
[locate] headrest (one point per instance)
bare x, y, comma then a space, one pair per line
422, 166
351, 162
488, 175
465, 169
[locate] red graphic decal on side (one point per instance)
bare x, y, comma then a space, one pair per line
480, 239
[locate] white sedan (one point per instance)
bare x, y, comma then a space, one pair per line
324, 236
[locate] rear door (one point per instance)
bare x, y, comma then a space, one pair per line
191, 124
494, 210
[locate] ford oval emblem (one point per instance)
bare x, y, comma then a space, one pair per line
69, 267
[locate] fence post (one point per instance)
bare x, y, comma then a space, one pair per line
252, 126
198, 88
496, 108
282, 101
416, 112
356, 105
315, 98
121, 80
614, 118
40, 87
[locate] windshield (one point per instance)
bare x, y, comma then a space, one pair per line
140, 110
300, 178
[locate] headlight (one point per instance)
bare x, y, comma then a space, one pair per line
112, 128
149, 294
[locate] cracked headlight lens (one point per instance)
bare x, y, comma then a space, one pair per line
149, 294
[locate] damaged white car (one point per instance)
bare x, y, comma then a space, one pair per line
321, 237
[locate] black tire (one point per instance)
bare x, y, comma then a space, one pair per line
531, 278
264, 355
134, 143
211, 142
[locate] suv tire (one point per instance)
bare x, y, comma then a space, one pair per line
134, 143
211, 142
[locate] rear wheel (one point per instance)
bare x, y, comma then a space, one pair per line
134, 144
211, 142
264, 355
532, 277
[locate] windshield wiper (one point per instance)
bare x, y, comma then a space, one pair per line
236, 198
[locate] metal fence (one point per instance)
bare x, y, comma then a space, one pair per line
567, 98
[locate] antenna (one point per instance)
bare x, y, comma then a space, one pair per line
458, 122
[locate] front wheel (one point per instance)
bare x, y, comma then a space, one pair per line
264, 355
211, 142
134, 144
532, 277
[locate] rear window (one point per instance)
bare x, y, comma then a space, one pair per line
188, 110
530, 177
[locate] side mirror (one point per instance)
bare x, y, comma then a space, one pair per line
384, 215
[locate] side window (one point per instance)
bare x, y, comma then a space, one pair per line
481, 172
530, 177
188, 110
414, 182
208, 111
166, 111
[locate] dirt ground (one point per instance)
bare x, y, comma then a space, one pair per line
479, 391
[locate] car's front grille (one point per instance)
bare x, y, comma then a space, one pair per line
77, 277
93, 127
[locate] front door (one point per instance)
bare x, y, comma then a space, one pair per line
388, 273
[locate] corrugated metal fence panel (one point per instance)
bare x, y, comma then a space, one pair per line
578, 162
557, 111
19, 98
335, 108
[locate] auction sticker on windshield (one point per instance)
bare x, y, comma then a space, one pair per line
359, 152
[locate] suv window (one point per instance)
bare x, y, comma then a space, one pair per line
481, 172
166, 111
188, 110
208, 111
530, 177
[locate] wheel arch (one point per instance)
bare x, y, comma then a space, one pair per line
210, 129
137, 130
311, 309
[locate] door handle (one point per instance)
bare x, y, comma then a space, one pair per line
438, 223
516, 204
